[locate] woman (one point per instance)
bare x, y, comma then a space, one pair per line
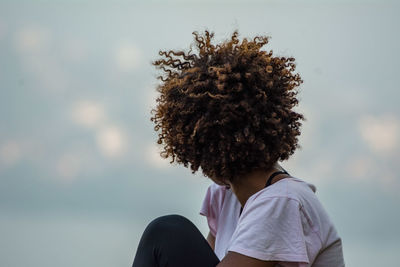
229, 110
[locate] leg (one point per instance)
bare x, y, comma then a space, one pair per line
173, 241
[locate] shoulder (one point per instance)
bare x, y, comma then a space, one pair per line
213, 200
274, 225
289, 188
216, 192
216, 188
270, 227
299, 194
290, 199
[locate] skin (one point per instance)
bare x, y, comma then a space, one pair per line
243, 189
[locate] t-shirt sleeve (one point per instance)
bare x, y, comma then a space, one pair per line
270, 229
212, 205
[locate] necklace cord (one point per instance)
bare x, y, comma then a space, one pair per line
269, 181
273, 175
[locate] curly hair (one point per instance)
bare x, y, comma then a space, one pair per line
228, 108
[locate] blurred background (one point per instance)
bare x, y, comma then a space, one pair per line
80, 173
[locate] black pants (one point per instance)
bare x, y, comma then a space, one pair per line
173, 241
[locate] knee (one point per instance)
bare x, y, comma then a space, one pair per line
167, 224
169, 218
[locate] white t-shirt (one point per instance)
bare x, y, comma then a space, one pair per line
284, 222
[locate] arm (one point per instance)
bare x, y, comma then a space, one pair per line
211, 240
262, 240
233, 259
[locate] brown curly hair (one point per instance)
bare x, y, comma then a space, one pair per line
228, 108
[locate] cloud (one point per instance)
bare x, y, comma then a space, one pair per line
75, 50
127, 57
40, 59
88, 113
10, 153
380, 133
68, 166
111, 141
153, 158
32, 39
360, 167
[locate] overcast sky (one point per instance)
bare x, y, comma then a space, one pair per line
80, 175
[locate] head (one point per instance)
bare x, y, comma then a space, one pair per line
228, 107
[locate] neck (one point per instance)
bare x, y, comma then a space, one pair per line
253, 182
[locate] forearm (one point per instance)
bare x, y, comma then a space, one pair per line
211, 240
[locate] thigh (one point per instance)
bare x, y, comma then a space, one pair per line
173, 240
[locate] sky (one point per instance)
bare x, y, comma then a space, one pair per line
80, 173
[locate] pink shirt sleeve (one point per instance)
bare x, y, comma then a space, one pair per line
270, 229
212, 205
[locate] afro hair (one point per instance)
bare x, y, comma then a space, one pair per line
227, 109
